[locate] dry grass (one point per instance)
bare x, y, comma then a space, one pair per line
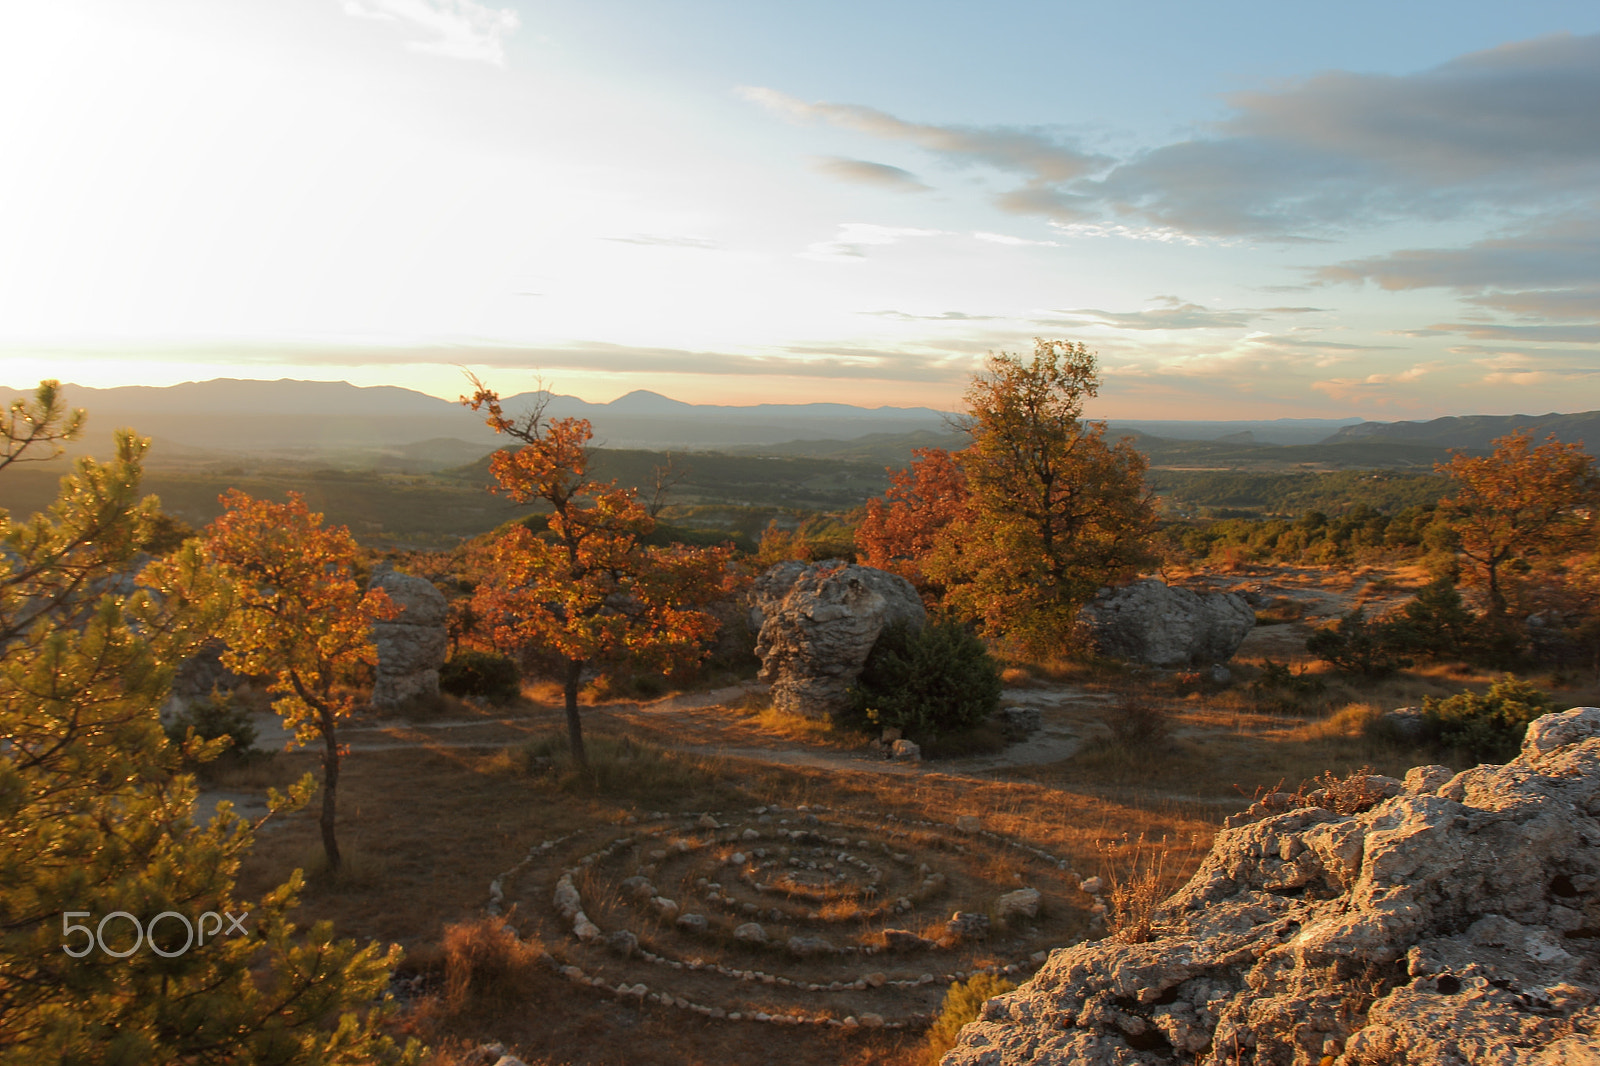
485, 965
1138, 881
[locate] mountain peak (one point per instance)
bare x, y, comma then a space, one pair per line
643, 401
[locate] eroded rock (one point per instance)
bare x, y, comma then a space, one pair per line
412, 645
1152, 622
1453, 923
818, 624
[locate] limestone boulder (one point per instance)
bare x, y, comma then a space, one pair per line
1154, 623
818, 624
1455, 922
412, 645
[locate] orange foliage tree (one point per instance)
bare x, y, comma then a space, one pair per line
1021, 527
299, 617
589, 588
901, 529
1516, 503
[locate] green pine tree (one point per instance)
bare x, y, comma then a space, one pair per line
96, 816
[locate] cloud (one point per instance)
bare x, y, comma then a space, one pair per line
854, 238
1499, 129
861, 172
1007, 239
1035, 154
946, 316
1546, 275
459, 29
657, 241
1554, 252
1373, 387
1178, 315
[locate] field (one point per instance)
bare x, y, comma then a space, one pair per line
710, 801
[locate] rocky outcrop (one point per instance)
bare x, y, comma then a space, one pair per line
1456, 922
1153, 623
818, 624
196, 678
411, 646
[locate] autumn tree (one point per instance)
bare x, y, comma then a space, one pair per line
299, 617
1055, 511
588, 587
900, 529
96, 815
1515, 504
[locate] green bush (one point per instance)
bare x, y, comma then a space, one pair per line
1357, 646
1489, 727
1437, 624
485, 674
927, 683
961, 1005
217, 715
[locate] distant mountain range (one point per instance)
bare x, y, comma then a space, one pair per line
1477, 432
340, 423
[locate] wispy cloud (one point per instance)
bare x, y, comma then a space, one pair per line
1501, 130
854, 238
1037, 155
658, 241
1374, 388
945, 316
862, 172
459, 29
1176, 314
1008, 239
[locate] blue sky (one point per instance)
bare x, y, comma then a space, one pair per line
1249, 210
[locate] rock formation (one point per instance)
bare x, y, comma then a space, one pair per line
1456, 922
818, 624
1151, 622
411, 645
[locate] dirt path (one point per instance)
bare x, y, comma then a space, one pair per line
701, 723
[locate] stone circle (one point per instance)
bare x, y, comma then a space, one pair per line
793, 916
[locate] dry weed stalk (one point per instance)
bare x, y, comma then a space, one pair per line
1137, 892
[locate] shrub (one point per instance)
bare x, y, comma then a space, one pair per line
1137, 720
962, 1003
1437, 624
926, 683
486, 965
217, 715
1356, 646
1489, 727
486, 674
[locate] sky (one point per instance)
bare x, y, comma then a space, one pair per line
1249, 210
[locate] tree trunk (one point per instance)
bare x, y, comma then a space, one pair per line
330, 787
574, 723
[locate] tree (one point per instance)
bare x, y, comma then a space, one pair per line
588, 587
1055, 511
96, 817
1516, 503
900, 529
298, 616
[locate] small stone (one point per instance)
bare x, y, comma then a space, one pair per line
750, 933
875, 980
666, 908
806, 947
694, 923
750, 834
1093, 885
737, 858
872, 1021
623, 942
969, 823
967, 925
905, 751
705, 821
637, 887
1023, 903
583, 928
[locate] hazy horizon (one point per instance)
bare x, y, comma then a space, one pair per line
1251, 211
